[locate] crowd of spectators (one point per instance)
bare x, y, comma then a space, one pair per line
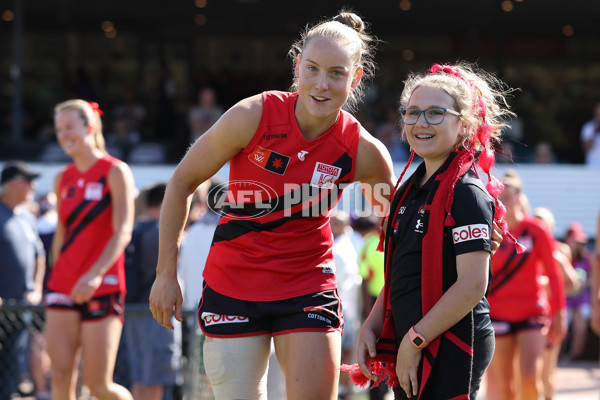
170, 111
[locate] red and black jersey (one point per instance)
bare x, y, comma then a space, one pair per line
273, 240
517, 292
86, 213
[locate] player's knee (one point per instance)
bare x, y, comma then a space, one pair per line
62, 374
237, 367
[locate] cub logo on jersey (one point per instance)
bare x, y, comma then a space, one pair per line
269, 160
68, 192
325, 175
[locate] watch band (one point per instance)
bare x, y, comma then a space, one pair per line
417, 339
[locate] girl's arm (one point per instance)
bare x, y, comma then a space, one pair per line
456, 302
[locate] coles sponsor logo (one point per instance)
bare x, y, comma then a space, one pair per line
470, 232
215, 319
325, 175
53, 299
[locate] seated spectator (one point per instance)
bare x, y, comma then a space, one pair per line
543, 153
390, 134
148, 153
122, 138
130, 110
204, 114
590, 138
505, 154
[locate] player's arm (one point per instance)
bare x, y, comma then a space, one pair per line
58, 237
374, 170
227, 137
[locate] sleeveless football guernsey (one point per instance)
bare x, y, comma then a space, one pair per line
516, 292
86, 212
273, 240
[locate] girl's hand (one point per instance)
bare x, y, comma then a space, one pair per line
496, 237
407, 364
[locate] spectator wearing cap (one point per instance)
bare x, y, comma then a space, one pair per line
22, 267
578, 303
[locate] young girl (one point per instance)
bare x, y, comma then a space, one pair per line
429, 333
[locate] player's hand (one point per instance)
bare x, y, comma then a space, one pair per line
84, 289
34, 297
166, 297
365, 351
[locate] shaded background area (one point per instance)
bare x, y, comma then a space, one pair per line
162, 52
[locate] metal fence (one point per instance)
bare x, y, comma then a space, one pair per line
23, 359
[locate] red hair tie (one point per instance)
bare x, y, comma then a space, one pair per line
96, 107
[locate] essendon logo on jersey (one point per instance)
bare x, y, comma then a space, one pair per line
269, 160
325, 175
214, 319
470, 232
68, 192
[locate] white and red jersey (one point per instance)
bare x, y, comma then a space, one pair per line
86, 213
273, 240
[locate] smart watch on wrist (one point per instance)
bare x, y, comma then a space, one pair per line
417, 339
